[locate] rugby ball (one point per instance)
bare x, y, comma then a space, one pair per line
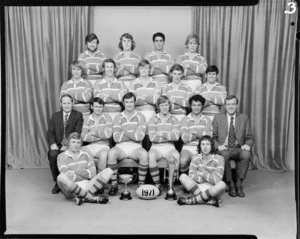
147, 191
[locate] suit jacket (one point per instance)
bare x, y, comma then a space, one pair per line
242, 130
56, 126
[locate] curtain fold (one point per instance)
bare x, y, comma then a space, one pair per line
41, 43
254, 49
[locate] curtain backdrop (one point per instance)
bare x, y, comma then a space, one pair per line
41, 43
254, 49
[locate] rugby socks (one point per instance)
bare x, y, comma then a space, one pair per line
154, 172
114, 168
142, 173
98, 184
201, 198
78, 191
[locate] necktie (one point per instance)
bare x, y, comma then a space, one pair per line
64, 141
231, 137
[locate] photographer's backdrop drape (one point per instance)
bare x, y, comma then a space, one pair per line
253, 47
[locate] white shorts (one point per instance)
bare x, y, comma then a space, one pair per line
204, 186
191, 149
179, 117
83, 184
128, 147
163, 149
192, 83
94, 148
112, 115
148, 114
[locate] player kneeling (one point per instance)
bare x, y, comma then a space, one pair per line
205, 175
163, 132
77, 178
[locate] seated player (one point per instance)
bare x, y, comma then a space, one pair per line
205, 176
163, 132
80, 89
92, 59
128, 132
97, 130
193, 63
78, 178
110, 89
147, 91
127, 60
192, 128
177, 93
213, 92
160, 60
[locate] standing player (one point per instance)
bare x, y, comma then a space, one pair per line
78, 178
205, 176
177, 93
128, 132
80, 89
192, 128
213, 92
193, 63
110, 90
160, 60
92, 59
127, 60
163, 132
97, 130
147, 91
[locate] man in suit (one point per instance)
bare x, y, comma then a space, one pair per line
62, 124
233, 140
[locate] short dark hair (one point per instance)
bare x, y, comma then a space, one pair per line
65, 95
129, 95
177, 67
90, 37
230, 97
161, 100
212, 68
128, 36
208, 138
158, 34
144, 62
196, 98
97, 100
74, 135
108, 60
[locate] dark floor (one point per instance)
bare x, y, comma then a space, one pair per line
267, 211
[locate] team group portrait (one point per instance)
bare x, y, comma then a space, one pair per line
191, 119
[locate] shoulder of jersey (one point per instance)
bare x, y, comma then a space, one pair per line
147, 191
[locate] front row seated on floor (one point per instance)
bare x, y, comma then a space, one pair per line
204, 179
78, 178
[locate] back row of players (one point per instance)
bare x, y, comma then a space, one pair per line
171, 89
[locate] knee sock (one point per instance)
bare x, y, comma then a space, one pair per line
142, 173
155, 175
114, 168
78, 191
201, 198
98, 184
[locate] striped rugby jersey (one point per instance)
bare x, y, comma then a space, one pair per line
102, 129
193, 68
81, 93
127, 68
151, 91
170, 129
192, 131
213, 170
160, 66
111, 93
180, 95
83, 168
215, 98
132, 129
93, 64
